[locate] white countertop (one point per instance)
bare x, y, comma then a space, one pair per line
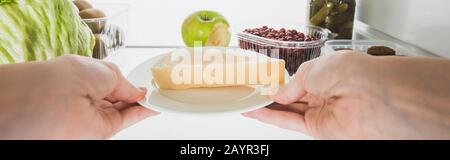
182, 127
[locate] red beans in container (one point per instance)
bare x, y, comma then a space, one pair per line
295, 44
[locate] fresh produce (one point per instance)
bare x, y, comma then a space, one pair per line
107, 37
208, 27
97, 26
92, 13
336, 15
35, 30
282, 34
291, 45
100, 49
82, 4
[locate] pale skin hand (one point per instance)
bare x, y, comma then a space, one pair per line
70, 97
354, 96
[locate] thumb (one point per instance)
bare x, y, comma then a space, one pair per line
295, 89
124, 90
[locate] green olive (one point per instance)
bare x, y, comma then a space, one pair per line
82, 4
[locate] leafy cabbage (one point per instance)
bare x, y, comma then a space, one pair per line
37, 30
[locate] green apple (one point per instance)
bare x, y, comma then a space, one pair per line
208, 27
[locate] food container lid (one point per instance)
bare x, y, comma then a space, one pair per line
363, 45
321, 33
112, 11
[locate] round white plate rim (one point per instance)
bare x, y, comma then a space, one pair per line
167, 110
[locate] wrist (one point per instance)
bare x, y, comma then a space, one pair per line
404, 106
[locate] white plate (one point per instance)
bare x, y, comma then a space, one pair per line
196, 101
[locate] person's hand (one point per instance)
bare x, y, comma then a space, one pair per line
70, 97
317, 101
353, 96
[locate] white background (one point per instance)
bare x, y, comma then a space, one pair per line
425, 23
158, 22
420, 22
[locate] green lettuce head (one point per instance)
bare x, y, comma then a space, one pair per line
6, 1
38, 30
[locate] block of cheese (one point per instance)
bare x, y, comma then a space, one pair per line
216, 67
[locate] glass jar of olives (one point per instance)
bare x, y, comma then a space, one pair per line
336, 15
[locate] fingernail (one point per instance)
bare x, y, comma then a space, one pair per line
291, 97
132, 100
138, 97
271, 90
275, 97
143, 89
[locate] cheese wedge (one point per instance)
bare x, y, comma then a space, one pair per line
216, 67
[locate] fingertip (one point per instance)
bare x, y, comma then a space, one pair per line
276, 97
283, 119
283, 98
295, 89
249, 114
143, 89
257, 114
123, 89
138, 95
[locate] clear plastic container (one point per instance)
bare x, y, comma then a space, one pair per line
336, 15
110, 32
363, 46
294, 53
